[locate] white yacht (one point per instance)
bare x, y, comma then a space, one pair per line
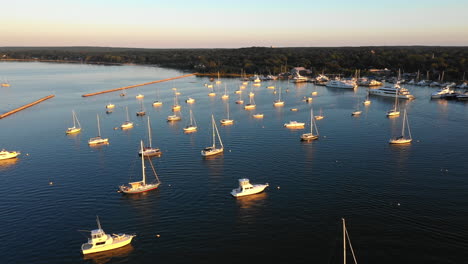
442, 93
396, 90
299, 78
344, 84
246, 188
75, 128
5, 154
101, 241
139, 96
294, 124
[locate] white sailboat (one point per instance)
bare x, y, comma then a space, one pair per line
367, 101
98, 140
176, 105
403, 139
278, 102
240, 101
150, 151
228, 120
158, 101
311, 136
320, 115
251, 105
192, 127
394, 111
174, 117
142, 111
143, 185
127, 124
74, 129
346, 237
101, 241
110, 106
357, 112
213, 150
225, 96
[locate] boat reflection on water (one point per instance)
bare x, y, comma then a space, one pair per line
110, 255
251, 201
7, 163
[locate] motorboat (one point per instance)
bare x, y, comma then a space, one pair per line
110, 106
344, 84
246, 188
396, 90
5, 154
294, 124
442, 93
356, 113
101, 241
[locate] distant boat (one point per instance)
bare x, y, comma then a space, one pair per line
149, 150
142, 111
278, 102
143, 185
158, 101
5, 154
218, 81
225, 95
299, 78
356, 112
403, 139
258, 115
190, 100
246, 188
5, 83
101, 241
127, 124
110, 106
320, 115
367, 101
396, 90
341, 84
394, 111
294, 124
240, 101
74, 128
192, 126
213, 150
442, 93
174, 117
251, 105
139, 96
311, 136
176, 105
98, 140
228, 120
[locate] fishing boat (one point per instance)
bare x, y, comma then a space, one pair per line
258, 115
192, 126
225, 95
139, 96
158, 101
394, 111
320, 116
251, 105
98, 140
101, 241
278, 102
213, 150
110, 106
5, 154
246, 188
294, 124
127, 124
149, 150
403, 139
143, 185
311, 136
142, 111
228, 120
74, 129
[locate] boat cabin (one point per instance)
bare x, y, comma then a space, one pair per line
244, 184
136, 185
98, 237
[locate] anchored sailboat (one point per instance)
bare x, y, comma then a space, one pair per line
127, 124
403, 139
225, 95
251, 104
158, 101
311, 135
278, 102
176, 105
98, 140
150, 151
142, 111
228, 120
192, 127
213, 150
143, 185
394, 111
74, 129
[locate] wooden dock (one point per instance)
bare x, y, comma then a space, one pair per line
137, 85
26, 106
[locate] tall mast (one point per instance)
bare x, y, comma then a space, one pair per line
407, 124
73, 116
143, 163
280, 95
311, 121
219, 137
228, 110
344, 241
213, 125
403, 127
149, 133
98, 126
126, 109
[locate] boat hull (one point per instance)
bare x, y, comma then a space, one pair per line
257, 188
142, 189
400, 96
117, 243
98, 141
309, 137
149, 152
9, 155
73, 130
400, 141
212, 152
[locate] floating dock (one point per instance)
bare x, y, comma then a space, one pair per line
26, 106
137, 85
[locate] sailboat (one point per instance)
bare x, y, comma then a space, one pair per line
174, 117
74, 129
225, 95
357, 112
227, 121
319, 116
212, 93
346, 237
158, 102
240, 101
192, 127
311, 135
176, 105
139, 96
251, 104
278, 102
367, 101
219, 80
213, 150
141, 186
150, 151
394, 111
98, 140
127, 123
403, 139
101, 241
142, 111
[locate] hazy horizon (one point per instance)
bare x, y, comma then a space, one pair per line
212, 24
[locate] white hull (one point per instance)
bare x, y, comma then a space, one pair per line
294, 124
8, 154
190, 129
390, 94
118, 241
309, 136
400, 141
249, 190
148, 152
73, 130
98, 140
226, 121
211, 151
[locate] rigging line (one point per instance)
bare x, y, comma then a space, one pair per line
154, 170
350, 246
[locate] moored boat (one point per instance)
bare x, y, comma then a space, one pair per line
5, 154
246, 188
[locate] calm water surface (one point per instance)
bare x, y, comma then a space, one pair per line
403, 204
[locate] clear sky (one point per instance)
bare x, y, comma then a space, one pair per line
232, 24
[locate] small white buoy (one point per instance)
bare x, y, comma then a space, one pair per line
398, 204
51, 183
158, 235
27, 154
278, 187
169, 185
229, 150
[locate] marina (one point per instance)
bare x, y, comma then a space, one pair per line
385, 191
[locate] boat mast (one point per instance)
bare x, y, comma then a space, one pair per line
98, 223
344, 241
126, 109
213, 126
403, 127
149, 134
219, 137
73, 116
227, 110
98, 126
311, 121
143, 163
76, 119
407, 124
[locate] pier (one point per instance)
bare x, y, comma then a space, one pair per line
26, 106
137, 85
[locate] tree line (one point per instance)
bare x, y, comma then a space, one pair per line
453, 61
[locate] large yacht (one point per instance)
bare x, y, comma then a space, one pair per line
346, 84
395, 91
